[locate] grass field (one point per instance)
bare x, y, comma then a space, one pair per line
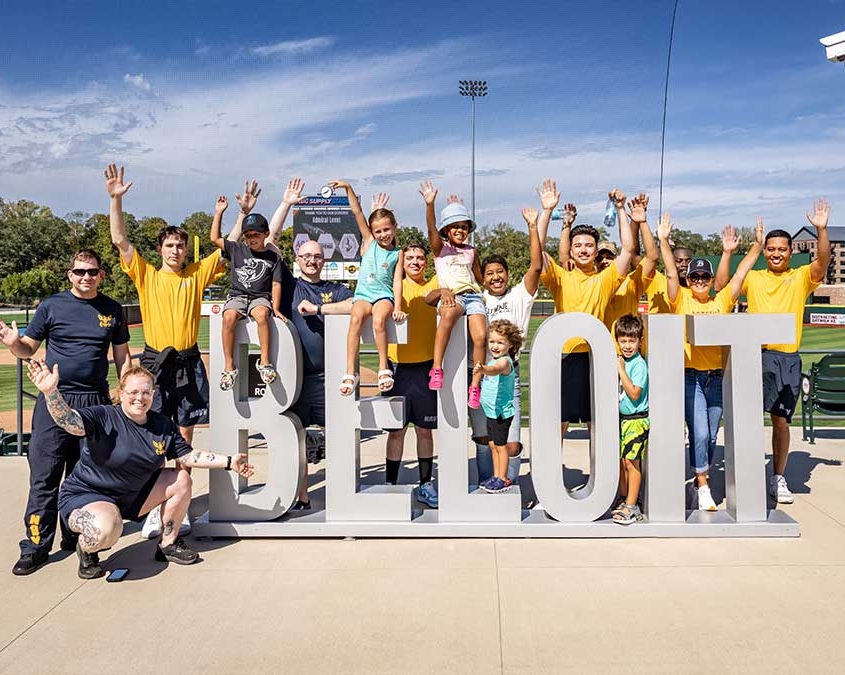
814, 337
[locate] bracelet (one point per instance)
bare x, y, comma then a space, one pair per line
319, 310
228, 462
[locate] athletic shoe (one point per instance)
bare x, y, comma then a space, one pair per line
177, 552
89, 564
705, 499
779, 490
426, 494
185, 527
300, 505
152, 525
435, 378
494, 485
474, 398
29, 562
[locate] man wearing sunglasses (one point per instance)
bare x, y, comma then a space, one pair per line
79, 326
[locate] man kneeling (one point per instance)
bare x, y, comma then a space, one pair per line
120, 474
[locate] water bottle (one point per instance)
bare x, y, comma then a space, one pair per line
557, 214
610, 214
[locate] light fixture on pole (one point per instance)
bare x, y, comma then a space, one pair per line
474, 89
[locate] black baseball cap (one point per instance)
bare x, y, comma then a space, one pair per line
255, 222
700, 266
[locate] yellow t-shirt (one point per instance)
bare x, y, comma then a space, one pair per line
657, 294
626, 300
422, 323
784, 293
576, 291
171, 301
702, 358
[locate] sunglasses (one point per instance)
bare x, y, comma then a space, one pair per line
699, 278
93, 272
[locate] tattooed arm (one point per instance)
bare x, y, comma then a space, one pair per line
208, 460
47, 382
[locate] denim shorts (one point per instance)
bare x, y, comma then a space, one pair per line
472, 303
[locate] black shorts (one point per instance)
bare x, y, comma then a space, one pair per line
411, 381
129, 506
310, 407
186, 405
575, 390
781, 382
498, 429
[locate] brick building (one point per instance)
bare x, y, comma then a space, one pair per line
804, 241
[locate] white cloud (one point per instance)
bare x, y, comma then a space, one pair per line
294, 46
138, 81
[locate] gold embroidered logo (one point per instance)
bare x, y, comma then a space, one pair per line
326, 297
105, 320
159, 447
34, 531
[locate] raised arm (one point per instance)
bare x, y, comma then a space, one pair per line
730, 242
22, 347
535, 264
117, 225
639, 215
360, 218
673, 284
549, 199
626, 237
293, 195
429, 194
47, 382
747, 263
247, 203
570, 213
818, 219
217, 222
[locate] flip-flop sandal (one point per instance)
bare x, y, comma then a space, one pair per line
348, 383
385, 380
227, 379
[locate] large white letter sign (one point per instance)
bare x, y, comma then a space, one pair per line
233, 414
588, 504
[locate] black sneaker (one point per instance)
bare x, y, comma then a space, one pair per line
89, 564
29, 562
176, 552
301, 505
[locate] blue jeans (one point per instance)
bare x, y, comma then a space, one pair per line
703, 413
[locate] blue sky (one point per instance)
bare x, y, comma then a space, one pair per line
195, 97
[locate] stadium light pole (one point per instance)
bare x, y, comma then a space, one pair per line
474, 89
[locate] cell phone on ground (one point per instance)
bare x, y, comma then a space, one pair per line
118, 574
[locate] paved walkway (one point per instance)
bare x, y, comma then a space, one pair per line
431, 606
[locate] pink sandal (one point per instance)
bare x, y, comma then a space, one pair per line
435, 378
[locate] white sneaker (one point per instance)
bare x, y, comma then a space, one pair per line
185, 527
779, 490
152, 525
705, 499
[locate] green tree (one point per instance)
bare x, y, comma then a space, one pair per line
47, 278
31, 235
504, 240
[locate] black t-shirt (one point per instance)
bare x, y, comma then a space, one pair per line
118, 456
310, 328
253, 272
78, 334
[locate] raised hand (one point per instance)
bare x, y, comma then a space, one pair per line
618, 197
293, 193
639, 206
114, 181
570, 213
428, 191
9, 334
379, 201
222, 204
820, 215
250, 196
730, 239
529, 213
550, 196
454, 199
41, 376
759, 232
664, 228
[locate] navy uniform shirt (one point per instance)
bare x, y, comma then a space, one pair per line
310, 328
78, 334
119, 456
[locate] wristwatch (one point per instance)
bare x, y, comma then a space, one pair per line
229, 463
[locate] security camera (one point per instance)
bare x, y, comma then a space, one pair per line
834, 47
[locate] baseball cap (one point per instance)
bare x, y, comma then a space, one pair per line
255, 222
454, 213
607, 246
700, 266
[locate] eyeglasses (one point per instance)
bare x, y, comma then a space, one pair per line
80, 272
316, 257
143, 393
699, 278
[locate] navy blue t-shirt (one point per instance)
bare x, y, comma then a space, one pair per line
119, 456
310, 328
78, 334
253, 272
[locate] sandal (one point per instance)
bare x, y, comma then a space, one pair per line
267, 372
474, 398
348, 383
435, 378
627, 515
619, 506
227, 379
385, 380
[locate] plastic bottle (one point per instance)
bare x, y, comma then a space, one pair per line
610, 214
557, 214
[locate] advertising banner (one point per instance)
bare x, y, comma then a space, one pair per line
329, 222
